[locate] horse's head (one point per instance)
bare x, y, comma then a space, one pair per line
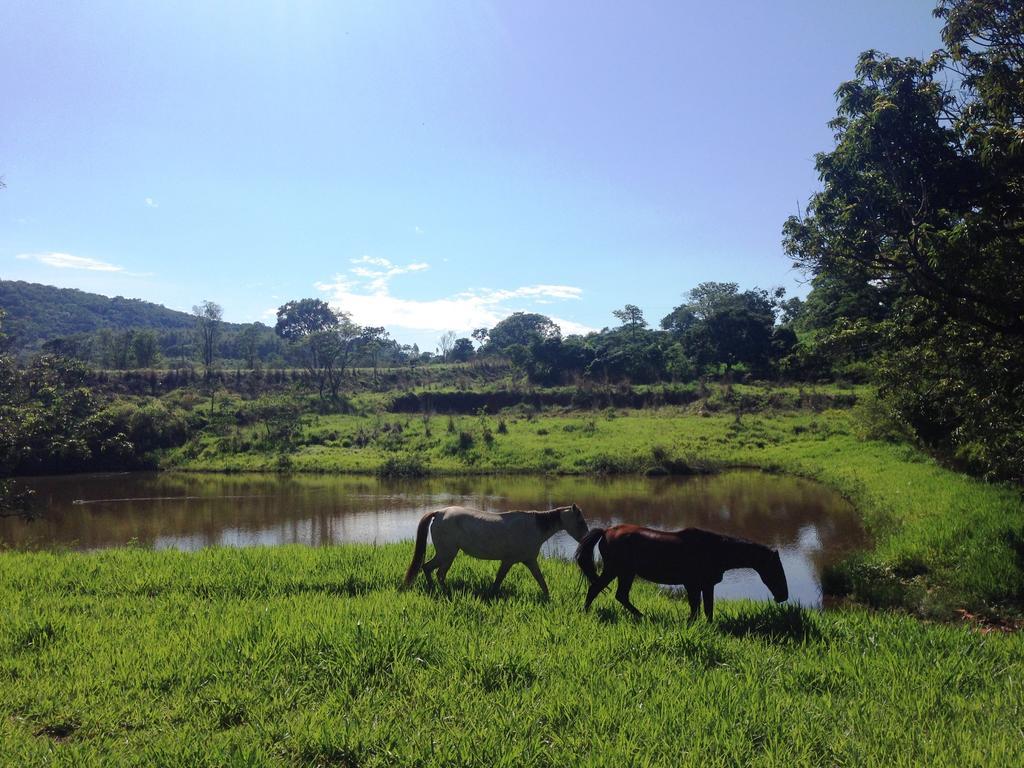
573, 522
774, 577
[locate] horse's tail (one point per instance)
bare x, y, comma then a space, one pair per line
584, 556
420, 549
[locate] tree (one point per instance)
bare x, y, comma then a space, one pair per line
445, 344
374, 339
326, 339
144, 348
462, 350
480, 336
298, 319
632, 317
910, 197
521, 328
411, 353
208, 317
722, 326
923, 197
309, 325
248, 342
838, 325
336, 348
120, 349
623, 356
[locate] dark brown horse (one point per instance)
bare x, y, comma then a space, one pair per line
691, 557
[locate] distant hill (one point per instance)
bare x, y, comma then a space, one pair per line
102, 331
39, 313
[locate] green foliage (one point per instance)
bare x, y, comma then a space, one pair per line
520, 328
51, 420
403, 466
918, 229
115, 333
297, 320
462, 350
721, 326
961, 394
208, 317
145, 349
325, 339
37, 313
631, 317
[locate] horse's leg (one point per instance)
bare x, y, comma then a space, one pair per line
428, 569
622, 593
535, 570
442, 569
693, 598
709, 601
598, 586
502, 570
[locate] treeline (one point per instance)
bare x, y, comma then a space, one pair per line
719, 330
130, 342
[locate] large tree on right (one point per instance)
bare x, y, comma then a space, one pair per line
923, 195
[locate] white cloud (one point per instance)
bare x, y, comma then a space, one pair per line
365, 293
418, 230
538, 293
375, 260
68, 261
151, 203
571, 327
378, 279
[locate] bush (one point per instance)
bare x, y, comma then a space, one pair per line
402, 466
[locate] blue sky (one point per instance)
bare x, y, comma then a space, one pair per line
424, 165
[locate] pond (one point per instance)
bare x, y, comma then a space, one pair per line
809, 524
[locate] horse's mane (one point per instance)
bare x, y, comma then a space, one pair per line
549, 519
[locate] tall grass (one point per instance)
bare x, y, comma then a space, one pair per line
298, 657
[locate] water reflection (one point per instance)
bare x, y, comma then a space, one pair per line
808, 523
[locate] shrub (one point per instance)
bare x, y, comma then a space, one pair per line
402, 466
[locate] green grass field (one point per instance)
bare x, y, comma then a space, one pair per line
304, 657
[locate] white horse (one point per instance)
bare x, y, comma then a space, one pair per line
511, 537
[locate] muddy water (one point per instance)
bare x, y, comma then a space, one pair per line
808, 523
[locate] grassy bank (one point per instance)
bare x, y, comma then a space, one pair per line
294, 656
941, 541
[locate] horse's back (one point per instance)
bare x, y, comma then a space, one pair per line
487, 535
685, 537
465, 513
665, 557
